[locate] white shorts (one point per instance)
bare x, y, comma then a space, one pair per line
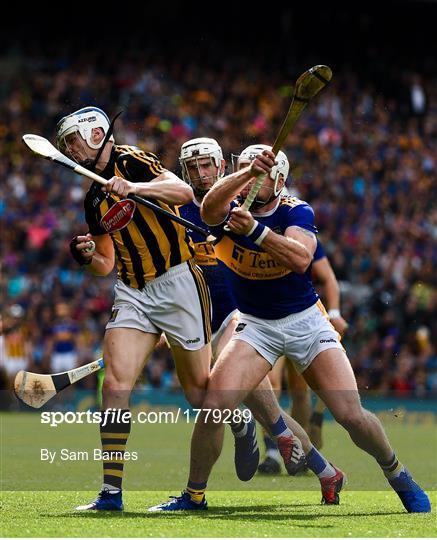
217, 335
63, 361
300, 336
176, 303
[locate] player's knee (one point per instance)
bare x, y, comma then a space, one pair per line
113, 384
350, 418
195, 396
219, 401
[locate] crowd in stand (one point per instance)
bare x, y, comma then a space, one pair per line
365, 160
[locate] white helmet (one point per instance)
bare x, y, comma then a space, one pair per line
282, 168
83, 121
195, 149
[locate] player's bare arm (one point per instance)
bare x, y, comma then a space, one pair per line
166, 187
295, 250
215, 205
102, 258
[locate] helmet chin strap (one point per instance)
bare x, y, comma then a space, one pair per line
90, 164
258, 204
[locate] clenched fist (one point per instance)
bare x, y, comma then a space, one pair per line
263, 163
119, 186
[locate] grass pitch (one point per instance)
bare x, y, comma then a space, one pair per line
38, 498
231, 514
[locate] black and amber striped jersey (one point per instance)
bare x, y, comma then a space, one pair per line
151, 243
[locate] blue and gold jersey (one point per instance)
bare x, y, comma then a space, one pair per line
64, 336
263, 287
222, 299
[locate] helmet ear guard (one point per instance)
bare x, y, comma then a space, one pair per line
83, 121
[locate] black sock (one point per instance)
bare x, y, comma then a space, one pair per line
317, 419
114, 434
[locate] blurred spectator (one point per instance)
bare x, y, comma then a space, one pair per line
16, 343
418, 101
62, 345
368, 170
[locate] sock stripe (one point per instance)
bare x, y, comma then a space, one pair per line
237, 427
388, 466
196, 495
112, 447
112, 465
392, 468
113, 441
113, 472
114, 437
118, 475
389, 463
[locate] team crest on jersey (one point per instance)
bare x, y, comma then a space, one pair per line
113, 315
241, 326
118, 216
291, 201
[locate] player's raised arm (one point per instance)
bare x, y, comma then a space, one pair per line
169, 188
166, 187
215, 205
141, 173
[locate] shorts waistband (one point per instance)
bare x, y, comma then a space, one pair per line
293, 317
170, 274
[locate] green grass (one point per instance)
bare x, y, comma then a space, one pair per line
235, 514
38, 498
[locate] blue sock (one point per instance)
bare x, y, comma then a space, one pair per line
318, 464
280, 429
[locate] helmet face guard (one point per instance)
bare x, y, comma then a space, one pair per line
280, 170
193, 155
81, 124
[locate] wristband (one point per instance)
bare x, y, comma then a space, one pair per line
258, 233
334, 313
255, 225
